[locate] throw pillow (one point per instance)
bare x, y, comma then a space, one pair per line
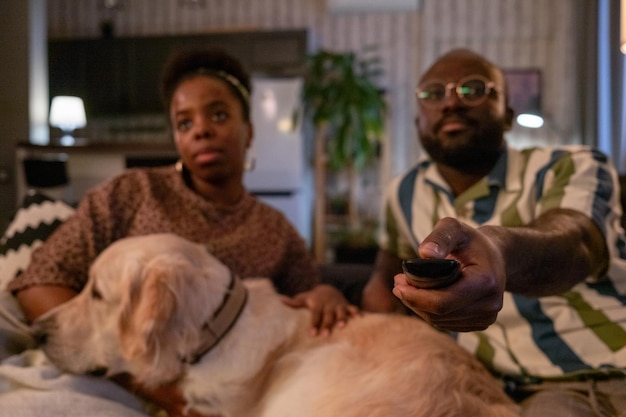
36, 219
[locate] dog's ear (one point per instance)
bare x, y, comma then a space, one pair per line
158, 325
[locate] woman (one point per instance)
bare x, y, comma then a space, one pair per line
202, 198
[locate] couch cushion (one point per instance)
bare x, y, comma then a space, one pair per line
349, 278
38, 216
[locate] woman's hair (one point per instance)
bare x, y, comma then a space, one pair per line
187, 63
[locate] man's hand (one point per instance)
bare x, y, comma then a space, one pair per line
471, 303
329, 308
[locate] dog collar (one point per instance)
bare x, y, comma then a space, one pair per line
223, 318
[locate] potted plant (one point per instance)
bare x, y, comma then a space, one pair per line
348, 111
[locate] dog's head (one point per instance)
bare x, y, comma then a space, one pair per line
141, 312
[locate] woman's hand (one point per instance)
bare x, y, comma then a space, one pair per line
329, 308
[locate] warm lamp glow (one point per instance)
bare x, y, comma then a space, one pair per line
67, 113
530, 120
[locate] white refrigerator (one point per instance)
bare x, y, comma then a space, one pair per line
281, 176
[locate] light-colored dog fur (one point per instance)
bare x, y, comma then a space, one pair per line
148, 297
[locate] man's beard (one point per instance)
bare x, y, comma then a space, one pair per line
478, 154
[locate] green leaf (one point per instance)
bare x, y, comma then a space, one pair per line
340, 91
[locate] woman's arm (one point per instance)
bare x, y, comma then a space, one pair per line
38, 299
59, 268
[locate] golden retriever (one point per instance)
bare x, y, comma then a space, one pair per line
162, 308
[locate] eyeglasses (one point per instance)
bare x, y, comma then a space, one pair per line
471, 91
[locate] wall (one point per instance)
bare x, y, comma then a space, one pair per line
14, 17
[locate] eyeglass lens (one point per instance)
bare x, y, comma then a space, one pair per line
469, 91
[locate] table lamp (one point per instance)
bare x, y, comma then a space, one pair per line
67, 113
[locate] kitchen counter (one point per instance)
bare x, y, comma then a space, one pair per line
87, 164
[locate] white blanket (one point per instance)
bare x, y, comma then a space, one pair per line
30, 386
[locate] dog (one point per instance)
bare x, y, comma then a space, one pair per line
163, 309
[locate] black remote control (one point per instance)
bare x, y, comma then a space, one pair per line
431, 272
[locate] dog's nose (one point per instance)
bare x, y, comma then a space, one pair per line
98, 371
41, 337
41, 328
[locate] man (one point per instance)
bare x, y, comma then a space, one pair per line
542, 291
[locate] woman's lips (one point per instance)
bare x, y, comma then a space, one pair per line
205, 157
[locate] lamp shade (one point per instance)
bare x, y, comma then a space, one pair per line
530, 120
67, 113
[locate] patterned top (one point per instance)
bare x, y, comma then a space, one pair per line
580, 331
250, 237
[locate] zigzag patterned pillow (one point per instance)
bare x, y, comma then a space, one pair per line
36, 219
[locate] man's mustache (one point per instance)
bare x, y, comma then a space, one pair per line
454, 118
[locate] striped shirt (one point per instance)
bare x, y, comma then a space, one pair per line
580, 331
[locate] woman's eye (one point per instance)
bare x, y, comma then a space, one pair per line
183, 125
219, 116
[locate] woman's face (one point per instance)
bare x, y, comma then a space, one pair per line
210, 132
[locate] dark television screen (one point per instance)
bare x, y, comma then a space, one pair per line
120, 76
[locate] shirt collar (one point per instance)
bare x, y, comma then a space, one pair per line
496, 177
